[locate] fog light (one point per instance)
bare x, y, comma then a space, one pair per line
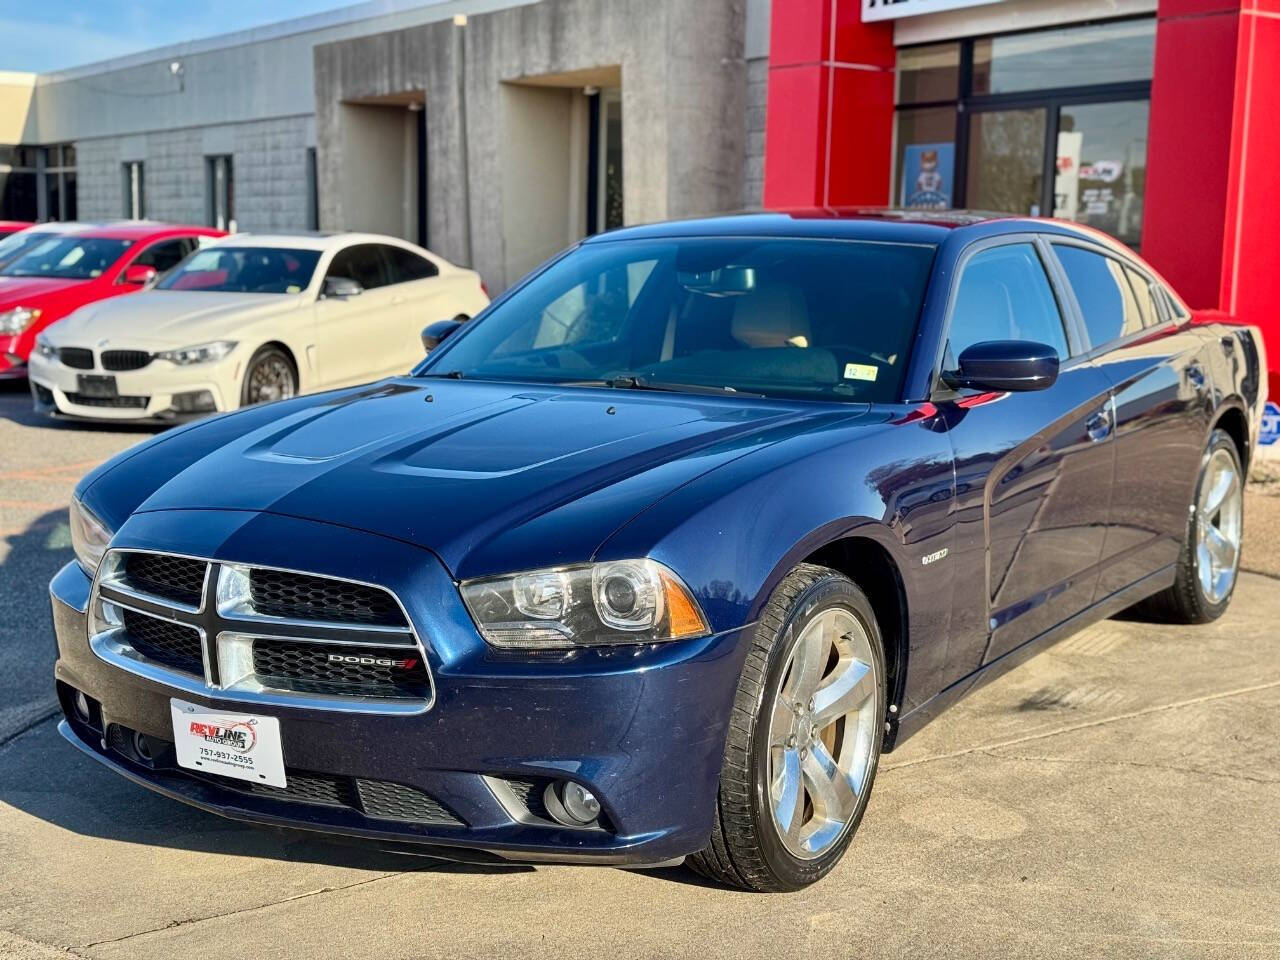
142, 747
571, 803
81, 705
197, 401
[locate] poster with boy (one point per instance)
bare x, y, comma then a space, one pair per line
928, 169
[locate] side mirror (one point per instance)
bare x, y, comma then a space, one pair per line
138, 275
434, 333
1005, 365
340, 288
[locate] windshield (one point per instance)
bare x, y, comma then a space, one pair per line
244, 270
792, 318
68, 258
15, 243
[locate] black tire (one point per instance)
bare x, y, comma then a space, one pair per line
268, 358
745, 850
1186, 602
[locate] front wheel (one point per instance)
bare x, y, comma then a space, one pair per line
804, 739
269, 376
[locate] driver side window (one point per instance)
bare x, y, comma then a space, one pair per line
1004, 294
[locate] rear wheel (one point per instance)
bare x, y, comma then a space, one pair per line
804, 739
1210, 560
269, 376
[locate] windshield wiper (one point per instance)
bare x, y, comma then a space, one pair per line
664, 386
449, 375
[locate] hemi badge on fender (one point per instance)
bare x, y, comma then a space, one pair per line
933, 557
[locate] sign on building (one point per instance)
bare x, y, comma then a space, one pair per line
893, 9
1270, 424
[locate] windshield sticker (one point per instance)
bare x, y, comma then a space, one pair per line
861, 371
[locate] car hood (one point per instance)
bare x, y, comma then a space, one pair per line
167, 318
490, 477
22, 291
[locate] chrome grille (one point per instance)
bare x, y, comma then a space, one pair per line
117, 360
165, 642
279, 593
201, 626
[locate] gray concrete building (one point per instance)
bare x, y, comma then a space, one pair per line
494, 131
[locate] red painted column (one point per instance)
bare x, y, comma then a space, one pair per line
1212, 209
829, 134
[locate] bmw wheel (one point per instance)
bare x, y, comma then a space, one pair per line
1210, 560
270, 376
804, 739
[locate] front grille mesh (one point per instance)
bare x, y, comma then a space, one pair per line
117, 403
170, 644
394, 801
277, 593
172, 578
125, 359
78, 358
316, 668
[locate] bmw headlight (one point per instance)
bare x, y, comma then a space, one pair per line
89, 537
597, 604
44, 348
200, 353
13, 322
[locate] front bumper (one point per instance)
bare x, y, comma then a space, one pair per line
644, 730
150, 392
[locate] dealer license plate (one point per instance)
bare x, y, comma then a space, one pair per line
238, 745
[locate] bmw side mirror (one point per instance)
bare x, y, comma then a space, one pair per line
340, 288
1005, 365
434, 333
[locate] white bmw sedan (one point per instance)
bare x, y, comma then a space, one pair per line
249, 319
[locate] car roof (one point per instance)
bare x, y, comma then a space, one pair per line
305, 240
856, 223
141, 230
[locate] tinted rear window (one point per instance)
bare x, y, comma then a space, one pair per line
1105, 297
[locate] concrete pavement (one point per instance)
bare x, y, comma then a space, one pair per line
1118, 796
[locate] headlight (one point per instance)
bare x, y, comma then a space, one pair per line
18, 319
89, 537
201, 353
44, 348
618, 602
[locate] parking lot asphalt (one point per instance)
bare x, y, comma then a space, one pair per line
1118, 796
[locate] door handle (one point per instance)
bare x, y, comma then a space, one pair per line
1098, 427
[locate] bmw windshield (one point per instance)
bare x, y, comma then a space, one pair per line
244, 270
788, 318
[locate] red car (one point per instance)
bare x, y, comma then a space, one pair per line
69, 269
13, 226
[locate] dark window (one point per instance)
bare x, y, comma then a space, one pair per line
1004, 294
220, 192
164, 256
1115, 52
1145, 297
1105, 297
70, 258
244, 270
405, 265
361, 263
313, 191
18, 195
135, 206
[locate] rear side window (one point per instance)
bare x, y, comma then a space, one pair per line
1107, 301
362, 263
165, 255
405, 265
1004, 294
1145, 294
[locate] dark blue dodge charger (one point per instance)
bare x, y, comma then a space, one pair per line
658, 555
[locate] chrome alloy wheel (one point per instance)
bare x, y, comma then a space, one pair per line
270, 379
1219, 525
822, 733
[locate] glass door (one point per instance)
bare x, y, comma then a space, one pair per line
1005, 168
1102, 166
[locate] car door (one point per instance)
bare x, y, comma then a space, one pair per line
419, 297
352, 332
1033, 469
1160, 381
